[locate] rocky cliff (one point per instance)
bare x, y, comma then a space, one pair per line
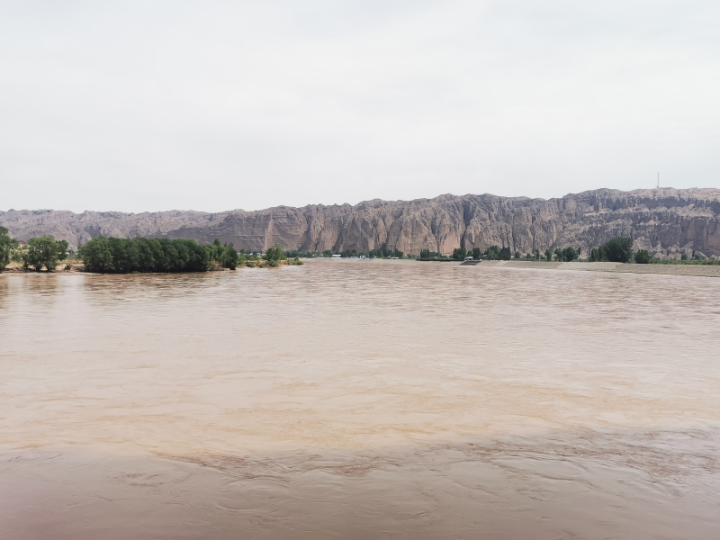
665, 221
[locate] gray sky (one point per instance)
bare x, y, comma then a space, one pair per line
207, 105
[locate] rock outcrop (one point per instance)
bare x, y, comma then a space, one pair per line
665, 221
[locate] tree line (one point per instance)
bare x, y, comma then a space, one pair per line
127, 255
38, 253
616, 250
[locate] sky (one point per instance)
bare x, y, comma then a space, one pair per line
211, 105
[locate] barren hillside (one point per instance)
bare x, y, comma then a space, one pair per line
665, 221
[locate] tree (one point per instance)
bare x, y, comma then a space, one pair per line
536, 255
8, 246
517, 255
125, 255
597, 254
327, 253
230, 257
424, 253
97, 255
505, 254
493, 253
548, 254
569, 254
476, 253
44, 251
643, 257
459, 254
618, 249
217, 251
275, 253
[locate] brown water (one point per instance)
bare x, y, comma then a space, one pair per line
360, 399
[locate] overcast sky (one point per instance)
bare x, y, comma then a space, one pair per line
210, 105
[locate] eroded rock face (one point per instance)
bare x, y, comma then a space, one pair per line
665, 221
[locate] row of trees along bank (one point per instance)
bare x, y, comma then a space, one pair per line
616, 250
126, 255
36, 254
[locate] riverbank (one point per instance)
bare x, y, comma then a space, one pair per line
661, 269
73, 266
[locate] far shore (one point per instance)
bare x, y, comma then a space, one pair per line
76, 267
661, 269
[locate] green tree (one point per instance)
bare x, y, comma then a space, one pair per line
125, 255
618, 249
8, 246
505, 254
548, 254
218, 251
275, 253
493, 253
424, 253
230, 257
44, 251
643, 256
459, 254
97, 256
569, 254
327, 253
476, 253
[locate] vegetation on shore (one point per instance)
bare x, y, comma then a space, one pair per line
8, 246
273, 257
127, 255
43, 252
117, 255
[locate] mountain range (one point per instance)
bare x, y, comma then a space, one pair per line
665, 221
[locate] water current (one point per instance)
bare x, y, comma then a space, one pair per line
360, 399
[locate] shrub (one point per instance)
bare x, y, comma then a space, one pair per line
493, 253
7, 247
643, 257
597, 254
569, 254
275, 253
618, 250
44, 251
125, 255
459, 254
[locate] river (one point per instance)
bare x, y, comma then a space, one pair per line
360, 399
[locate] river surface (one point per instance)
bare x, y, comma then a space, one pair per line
362, 400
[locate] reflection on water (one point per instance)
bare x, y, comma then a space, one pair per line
361, 399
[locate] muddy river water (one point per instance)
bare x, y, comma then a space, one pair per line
360, 399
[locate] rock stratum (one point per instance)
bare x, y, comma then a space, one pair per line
665, 221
